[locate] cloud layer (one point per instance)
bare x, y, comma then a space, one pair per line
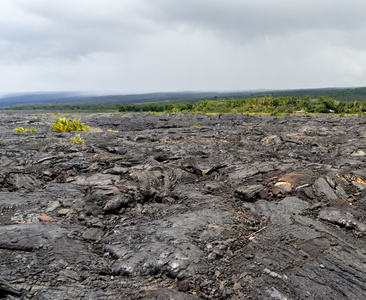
164, 45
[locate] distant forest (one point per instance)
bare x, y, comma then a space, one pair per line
341, 101
269, 105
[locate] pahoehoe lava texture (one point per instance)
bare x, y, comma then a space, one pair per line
157, 208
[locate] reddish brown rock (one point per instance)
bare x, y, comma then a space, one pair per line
46, 218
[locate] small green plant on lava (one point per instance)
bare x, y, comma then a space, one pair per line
21, 129
64, 125
77, 140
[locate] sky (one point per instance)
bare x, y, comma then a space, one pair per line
141, 46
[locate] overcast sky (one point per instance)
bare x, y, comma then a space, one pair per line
138, 46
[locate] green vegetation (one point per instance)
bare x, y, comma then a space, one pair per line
269, 104
64, 125
274, 106
77, 140
277, 103
21, 129
155, 107
70, 101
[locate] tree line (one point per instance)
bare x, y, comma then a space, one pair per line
266, 104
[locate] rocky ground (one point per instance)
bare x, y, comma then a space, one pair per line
161, 208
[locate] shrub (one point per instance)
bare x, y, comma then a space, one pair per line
77, 140
64, 125
21, 129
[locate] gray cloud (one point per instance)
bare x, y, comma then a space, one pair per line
71, 28
253, 19
166, 45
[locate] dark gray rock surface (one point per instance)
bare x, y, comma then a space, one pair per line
256, 208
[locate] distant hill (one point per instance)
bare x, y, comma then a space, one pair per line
339, 94
69, 98
79, 99
73, 98
37, 98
